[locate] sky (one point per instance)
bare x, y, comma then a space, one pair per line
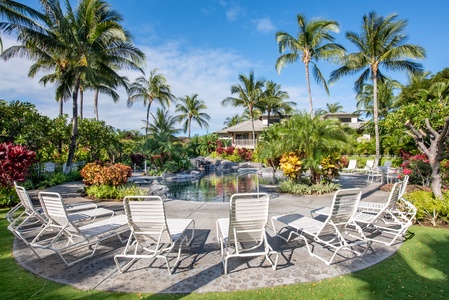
202, 46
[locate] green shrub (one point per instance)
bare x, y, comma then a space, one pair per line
429, 209
53, 179
114, 192
8, 196
292, 187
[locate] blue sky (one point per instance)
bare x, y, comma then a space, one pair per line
202, 46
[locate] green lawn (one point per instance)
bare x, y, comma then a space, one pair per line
419, 270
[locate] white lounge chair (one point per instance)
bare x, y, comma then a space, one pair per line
243, 233
66, 236
387, 224
152, 234
26, 225
352, 166
333, 232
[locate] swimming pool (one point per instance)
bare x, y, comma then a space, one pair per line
217, 186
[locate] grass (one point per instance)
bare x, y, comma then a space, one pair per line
418, 270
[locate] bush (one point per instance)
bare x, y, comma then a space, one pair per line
429, 208
112, 175
14, 163
292, 187
8, 196
291, 165
53, 179
114, 192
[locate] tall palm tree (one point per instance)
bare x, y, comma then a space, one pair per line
273, 101
190, 109
313, 42
87, 39
334, 107
249, 94
16, 16
387, 99
381, 43
153, 89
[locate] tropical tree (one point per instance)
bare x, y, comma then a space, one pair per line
153, 89
334, 107
234, 120
387, 100
16, 15
313, 42
273, 101
249, 94
190, 109
317, 139
381, 43
87, 39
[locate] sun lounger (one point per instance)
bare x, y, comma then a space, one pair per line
339, 231
67, 237
243, 233
152, 234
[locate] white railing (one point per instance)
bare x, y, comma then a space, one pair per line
244, 143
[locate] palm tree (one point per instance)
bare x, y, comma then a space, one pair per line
249, 95
190, 109
334, 107
314, 42
272, 101
234, 120
387, 99
380, 44
86, 39
17, 15
153, 89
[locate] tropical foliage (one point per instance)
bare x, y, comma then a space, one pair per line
313, 42
111, 175
14, 163
381, 44
191, 109
155, 88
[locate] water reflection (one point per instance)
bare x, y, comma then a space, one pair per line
217, 186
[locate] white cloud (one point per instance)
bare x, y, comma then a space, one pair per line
209, 73
264, 25
233, 13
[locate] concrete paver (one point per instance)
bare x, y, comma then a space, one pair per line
200, 269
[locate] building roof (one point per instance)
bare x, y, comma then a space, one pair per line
244, 126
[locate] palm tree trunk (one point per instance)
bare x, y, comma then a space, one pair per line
309, 91
61, 107
81, 102
268, 124
252, 124
148, 119
73, 137
190, 123
96, 104
376, 115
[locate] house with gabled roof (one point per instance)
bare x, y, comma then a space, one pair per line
241, 135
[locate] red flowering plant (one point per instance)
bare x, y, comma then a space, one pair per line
229, 150
418, 168
14, 163
245, 154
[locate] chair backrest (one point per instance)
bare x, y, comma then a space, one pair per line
248, 217
369, 164
404, 186
352, 164
387, 163
55, 211
146, 218
26, 202
343, 207
390, 206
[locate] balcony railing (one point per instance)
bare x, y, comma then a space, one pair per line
244, 143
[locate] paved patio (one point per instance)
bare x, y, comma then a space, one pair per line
200, 269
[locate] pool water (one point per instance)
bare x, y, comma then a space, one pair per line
217, 186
